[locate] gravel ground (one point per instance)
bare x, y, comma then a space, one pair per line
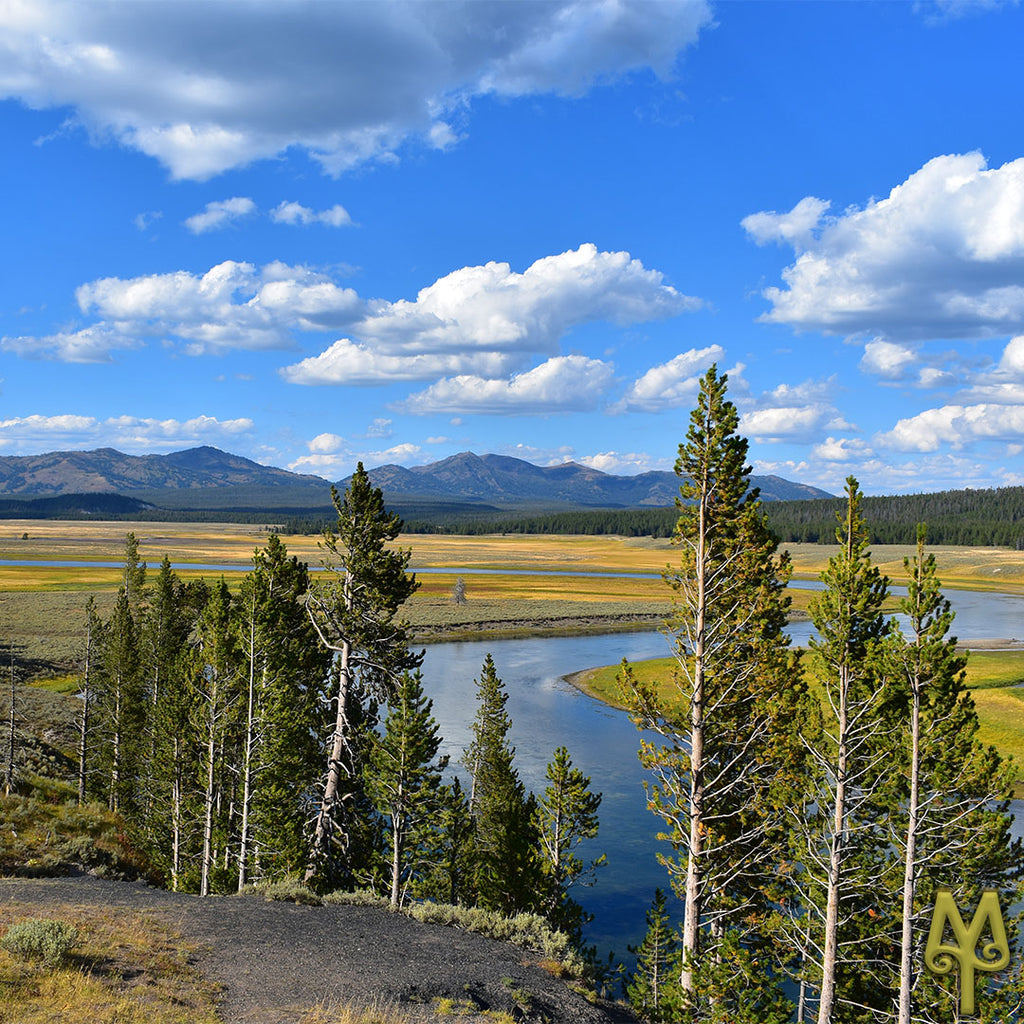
275, 960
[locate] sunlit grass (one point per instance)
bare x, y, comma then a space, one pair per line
128, 968
987, 669
991, 675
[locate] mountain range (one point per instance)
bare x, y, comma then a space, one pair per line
209, 478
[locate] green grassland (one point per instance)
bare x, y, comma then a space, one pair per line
995, 679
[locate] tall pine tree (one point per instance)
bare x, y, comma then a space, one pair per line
850, 734
508, 870
403, 779
733, 690
354, 609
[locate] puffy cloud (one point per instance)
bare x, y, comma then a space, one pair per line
332, 456
88, 345
796, 227
784, 422
346, 82
842, 449
233, 305
46, 426
381, 427
1012, 360
887, 359
124, 432
941, 256
347, 362
670, 384
957, 426
326, 444
562, 384
624, 463
792, 412
483, 320
492, 307
294, 213
219, 214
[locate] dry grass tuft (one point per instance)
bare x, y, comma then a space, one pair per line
127, 968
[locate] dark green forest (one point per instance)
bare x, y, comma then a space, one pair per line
990, 517
983, 517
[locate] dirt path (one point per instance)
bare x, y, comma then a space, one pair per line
275, 960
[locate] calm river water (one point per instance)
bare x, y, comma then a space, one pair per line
546, 712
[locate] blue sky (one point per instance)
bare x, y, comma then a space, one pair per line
313, 234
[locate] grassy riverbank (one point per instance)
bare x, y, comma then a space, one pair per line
995, 678
42, 607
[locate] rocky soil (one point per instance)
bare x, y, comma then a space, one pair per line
275, 960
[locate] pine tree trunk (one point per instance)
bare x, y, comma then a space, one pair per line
910, 864
321, 838
692, 903
831, 950
83, 735
210, 795
250, 741
397, 824
9, 781
115, 764
176, 814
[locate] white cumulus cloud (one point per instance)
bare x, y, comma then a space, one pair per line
624, 463
842, 449
295, 213
795, 228
219, 214
958, 426
561, 384
125, 432
941, 256
784, 422
485, 320
671, 384
347, 82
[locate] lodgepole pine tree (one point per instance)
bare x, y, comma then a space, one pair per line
733, 690
840, 819
508, 870
213, 675
353, 610
121, 707
566, 816
447, 844
87, 693
403, 778
653, 988
950, 826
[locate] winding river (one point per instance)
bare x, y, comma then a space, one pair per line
546, 711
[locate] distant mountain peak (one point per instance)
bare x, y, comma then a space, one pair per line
464, 476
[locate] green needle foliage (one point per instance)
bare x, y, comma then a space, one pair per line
566, 816
353, 607
653, 989
730, 720
508, 869
403, 779
949, 823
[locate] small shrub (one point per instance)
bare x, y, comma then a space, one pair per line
42, 939
359, 898
289, 890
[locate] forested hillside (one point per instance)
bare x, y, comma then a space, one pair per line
984, 517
